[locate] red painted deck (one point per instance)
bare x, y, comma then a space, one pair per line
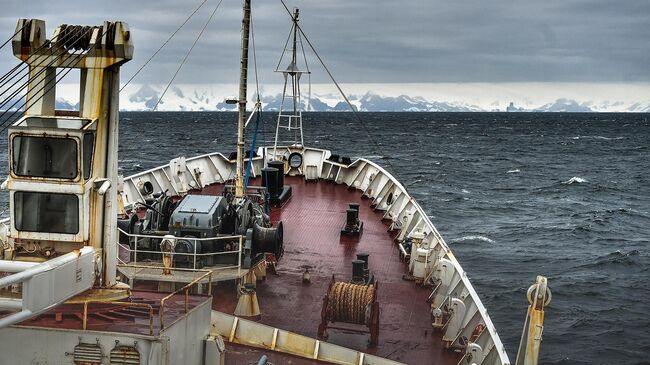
312, 222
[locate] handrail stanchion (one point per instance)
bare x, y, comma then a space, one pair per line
195, 243
210, 284
241, 243
85, 319
187, 297
135, 251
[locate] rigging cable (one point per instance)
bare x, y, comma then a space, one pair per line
251, 154
187, 55
69, 67
43, 69
35, 53
55, 58
354, 111
163, 45
29, 22
304, 56
19, 64
258, 107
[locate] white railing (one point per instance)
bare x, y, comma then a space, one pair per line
194, 255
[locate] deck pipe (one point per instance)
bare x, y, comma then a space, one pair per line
43, 267
15, 266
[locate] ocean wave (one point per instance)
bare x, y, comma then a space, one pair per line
575, 179
617, 257
472, 238
598, 137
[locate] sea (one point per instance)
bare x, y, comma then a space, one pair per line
515, 195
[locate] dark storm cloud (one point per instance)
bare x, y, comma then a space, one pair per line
383, 41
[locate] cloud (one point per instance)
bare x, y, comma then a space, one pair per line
381, 41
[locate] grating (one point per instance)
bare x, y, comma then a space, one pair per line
125, 355
87, 354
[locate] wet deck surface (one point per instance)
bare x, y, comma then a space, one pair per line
312, 222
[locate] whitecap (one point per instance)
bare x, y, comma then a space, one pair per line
599, 137
464, 191
472, 238
575, 179
512, 171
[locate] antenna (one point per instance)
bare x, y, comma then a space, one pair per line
290, 115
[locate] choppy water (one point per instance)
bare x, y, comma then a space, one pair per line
514, 195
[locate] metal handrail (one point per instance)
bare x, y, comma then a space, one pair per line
126, 304
178, 253
194, 254
161, 267
175, 237
186, 289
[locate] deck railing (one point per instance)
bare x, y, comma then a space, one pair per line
186, 290
207, 274
133, 250
149, 307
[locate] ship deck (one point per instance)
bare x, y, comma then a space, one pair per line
312, 219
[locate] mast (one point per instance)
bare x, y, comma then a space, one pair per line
293, 62
243, 80
290, 118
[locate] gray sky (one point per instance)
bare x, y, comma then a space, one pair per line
379, 41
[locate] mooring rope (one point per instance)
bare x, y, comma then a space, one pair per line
348, 302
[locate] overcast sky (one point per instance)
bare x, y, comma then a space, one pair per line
379, 41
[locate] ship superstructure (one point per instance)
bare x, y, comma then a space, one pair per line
287, 254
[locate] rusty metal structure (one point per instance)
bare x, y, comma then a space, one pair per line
59, 289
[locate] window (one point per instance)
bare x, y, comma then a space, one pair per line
46, 212
44, 157
89, 142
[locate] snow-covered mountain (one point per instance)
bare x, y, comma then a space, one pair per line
206, 99
393, 97
197, 98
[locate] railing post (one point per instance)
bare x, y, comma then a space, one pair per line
85, 319
162, 314
187, 297
135, 251
150, 320
241, 243
195, 242
210, 284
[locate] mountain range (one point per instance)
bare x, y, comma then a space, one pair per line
213, 98
197, 99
